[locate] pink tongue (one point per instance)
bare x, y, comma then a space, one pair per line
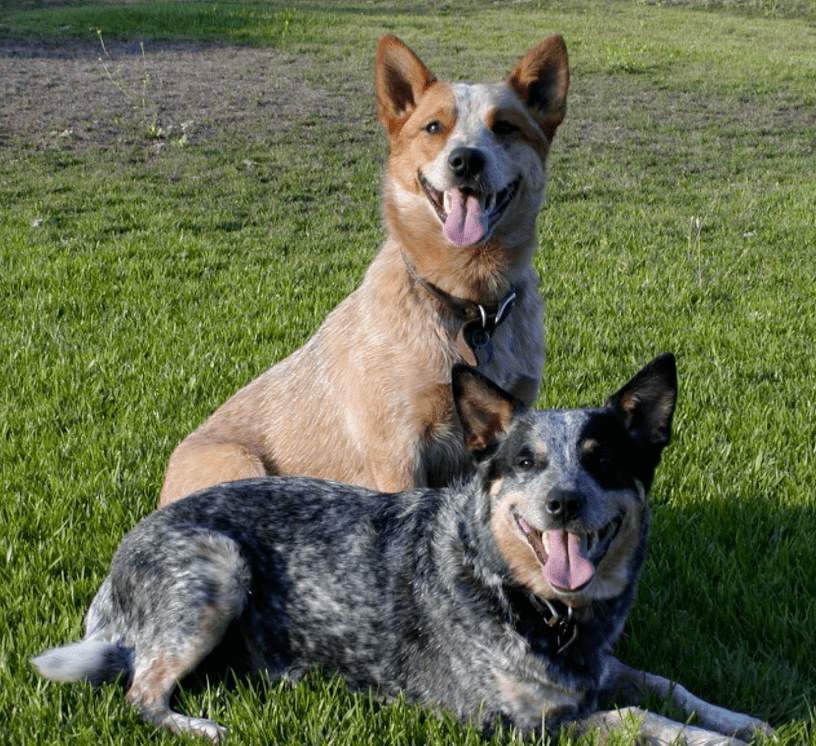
565, 567
466, 223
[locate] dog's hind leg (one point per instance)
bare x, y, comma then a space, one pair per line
198, 462
155, 674
629, 685
207, 596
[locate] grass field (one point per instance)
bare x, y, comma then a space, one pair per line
147, 275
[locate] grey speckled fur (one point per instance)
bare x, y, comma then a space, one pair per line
417, 592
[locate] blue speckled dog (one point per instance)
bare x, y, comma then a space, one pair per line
502, 598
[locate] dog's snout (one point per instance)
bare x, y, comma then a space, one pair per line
465, 163
564, 504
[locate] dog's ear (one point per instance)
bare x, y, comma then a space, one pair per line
484, 409
646, 403
400, 79
541, 79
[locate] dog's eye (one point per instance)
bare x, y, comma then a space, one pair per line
604, 467
504, 129
525, 463
434, 128
600, 460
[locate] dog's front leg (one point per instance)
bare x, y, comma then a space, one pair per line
628, 685
654, 730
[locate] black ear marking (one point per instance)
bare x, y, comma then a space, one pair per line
646, 403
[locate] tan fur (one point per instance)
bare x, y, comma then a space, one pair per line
367, 399
150, 695
515, 548
524, 697
611, 575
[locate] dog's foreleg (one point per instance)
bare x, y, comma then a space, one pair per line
627, 684
654, 730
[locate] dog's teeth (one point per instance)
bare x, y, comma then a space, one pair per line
490, 202
446, 202
545, 542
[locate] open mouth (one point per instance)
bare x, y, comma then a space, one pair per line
468, 216
569, 560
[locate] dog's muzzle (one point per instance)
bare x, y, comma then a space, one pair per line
569, 560
469, 216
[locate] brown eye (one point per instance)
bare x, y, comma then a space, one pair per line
434, 128
502, 128
525, 461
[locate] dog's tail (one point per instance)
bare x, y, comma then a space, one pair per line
94, 661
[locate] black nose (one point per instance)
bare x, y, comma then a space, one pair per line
564, 504
465, 163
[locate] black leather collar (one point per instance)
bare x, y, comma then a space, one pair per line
479, 322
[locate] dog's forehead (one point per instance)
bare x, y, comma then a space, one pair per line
475, 103
563, 431
483, 97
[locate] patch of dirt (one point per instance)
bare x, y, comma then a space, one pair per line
80, 94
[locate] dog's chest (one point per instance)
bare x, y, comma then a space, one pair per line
523, 698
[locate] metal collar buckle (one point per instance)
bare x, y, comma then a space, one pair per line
566, 630
473, 342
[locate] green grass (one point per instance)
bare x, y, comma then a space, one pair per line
141, 286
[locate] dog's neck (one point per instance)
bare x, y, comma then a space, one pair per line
478, 321
557, 621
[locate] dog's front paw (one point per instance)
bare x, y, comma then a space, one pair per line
752, 727
739, 725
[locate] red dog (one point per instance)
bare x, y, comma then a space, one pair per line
367, 399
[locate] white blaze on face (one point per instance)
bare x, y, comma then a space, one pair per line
474, 204
475, 106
